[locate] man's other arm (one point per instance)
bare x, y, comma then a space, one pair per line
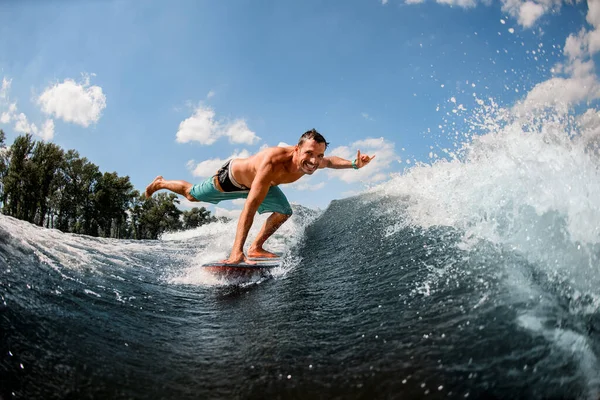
341, 163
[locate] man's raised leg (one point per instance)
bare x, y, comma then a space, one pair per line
273, 223
180, 187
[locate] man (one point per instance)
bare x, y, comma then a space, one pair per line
256, 178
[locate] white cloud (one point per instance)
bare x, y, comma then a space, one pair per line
303, 185
47, 131
575, 45
375, 171
185, 204
593, 15
209, 167
350, 193
593, 40
22, 124
579, 82
308, 183
460, 3
74, 102
9, 110
529, 12
9, 115
5, 88
222, 212
559, 93
210, 94
238, 202
239, 133
384, 2
341, 151
202, 127
280, 144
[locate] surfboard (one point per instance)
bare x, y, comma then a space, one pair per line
261, 267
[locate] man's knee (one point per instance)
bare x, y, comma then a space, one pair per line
188, 195
283, 216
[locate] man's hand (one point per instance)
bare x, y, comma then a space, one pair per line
362, 160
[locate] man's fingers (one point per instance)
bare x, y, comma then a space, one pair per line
367, 159
363, 159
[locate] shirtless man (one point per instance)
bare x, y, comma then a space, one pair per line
256, 178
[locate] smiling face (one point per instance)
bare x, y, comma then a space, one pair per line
309, 156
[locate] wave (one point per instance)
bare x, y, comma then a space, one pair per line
444, 279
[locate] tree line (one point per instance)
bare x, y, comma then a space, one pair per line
47, 186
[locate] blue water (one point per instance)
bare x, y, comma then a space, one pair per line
473, 276
369, 303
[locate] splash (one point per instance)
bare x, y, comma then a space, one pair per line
214, 243
527, 182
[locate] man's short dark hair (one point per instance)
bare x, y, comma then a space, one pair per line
314, 135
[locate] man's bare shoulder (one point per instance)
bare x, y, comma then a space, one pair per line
276, 155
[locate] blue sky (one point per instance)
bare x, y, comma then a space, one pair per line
175, 88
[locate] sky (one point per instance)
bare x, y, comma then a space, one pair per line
147, 88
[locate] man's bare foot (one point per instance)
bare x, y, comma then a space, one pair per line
261, 253
153, 187
237, 260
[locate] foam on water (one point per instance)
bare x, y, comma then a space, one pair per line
534, 188
60, 250
215, 241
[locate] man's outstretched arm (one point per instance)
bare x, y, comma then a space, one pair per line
258, 192
340, 163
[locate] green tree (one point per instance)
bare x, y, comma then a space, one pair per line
157, 215
43, 184
3, 160
46, 162
196, 217
113, 197
74, 196
18, 181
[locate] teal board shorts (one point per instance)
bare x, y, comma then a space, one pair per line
274, 202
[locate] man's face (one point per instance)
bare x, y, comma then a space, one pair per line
310, 155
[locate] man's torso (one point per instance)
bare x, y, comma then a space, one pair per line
245, 169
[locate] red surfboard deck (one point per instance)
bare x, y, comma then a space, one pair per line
241, 269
